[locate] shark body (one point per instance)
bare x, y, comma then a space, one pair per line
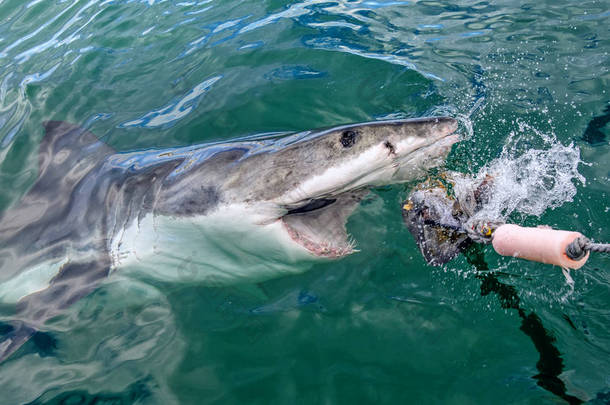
217, 214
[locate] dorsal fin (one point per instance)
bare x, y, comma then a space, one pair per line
64, 145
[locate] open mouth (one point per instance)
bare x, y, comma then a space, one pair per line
319, 225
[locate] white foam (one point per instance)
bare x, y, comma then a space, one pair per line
528, 180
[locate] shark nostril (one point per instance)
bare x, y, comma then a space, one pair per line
390, 146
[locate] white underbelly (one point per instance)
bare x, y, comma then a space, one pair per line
227, 247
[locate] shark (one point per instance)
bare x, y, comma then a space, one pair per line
218, 214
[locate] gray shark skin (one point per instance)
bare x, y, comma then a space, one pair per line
235, 212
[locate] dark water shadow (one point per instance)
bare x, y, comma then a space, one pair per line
550, 364
42, 343
594, 133
136, 393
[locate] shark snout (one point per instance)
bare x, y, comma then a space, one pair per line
445, 135
442, 127
424, 148
430, 133
448, 126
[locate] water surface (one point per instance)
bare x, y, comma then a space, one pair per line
380, 326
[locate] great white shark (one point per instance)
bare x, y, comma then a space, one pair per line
237, 212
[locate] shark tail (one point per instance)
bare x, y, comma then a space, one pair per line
14, 339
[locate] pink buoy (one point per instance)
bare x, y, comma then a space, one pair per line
542, 245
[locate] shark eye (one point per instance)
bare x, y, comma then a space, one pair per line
348, 138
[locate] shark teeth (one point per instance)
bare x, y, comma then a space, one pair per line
321, 249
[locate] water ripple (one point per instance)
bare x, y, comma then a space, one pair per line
54, 41
175, 110
19, 41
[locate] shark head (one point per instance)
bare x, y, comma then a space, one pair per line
364, 155
315, 180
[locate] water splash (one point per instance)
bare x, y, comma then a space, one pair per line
528, 180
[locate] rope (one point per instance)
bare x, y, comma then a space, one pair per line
598, 247
481, 231
580, 246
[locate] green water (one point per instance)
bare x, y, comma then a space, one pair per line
380, 326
